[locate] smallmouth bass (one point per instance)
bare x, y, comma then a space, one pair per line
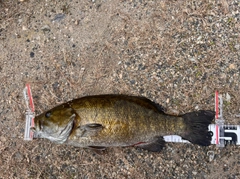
119, 120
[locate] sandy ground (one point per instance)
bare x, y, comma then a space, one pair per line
176, 53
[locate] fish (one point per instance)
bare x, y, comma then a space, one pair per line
115, 120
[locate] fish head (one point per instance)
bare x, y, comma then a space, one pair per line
55, 124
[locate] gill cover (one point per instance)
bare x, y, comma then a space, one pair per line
55, 124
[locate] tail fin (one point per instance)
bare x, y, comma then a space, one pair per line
197, 127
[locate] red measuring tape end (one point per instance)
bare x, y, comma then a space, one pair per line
31, 104
216, 116
30, 97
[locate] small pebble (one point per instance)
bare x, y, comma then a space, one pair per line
192, 59
3, 139
24, 27
228, 97
45, 28
194, 173
232, 66
32, 54
58, 17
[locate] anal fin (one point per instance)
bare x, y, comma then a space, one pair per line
155, 145
98, 149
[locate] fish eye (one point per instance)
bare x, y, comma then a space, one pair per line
48, 114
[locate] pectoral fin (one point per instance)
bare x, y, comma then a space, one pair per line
89, 130
93, 126
154, 145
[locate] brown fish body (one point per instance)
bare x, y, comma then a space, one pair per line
125, 121
120, 120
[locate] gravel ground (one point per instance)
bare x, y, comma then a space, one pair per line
176, 53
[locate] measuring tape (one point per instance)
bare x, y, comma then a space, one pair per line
231, 135
221, 134
28, 134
